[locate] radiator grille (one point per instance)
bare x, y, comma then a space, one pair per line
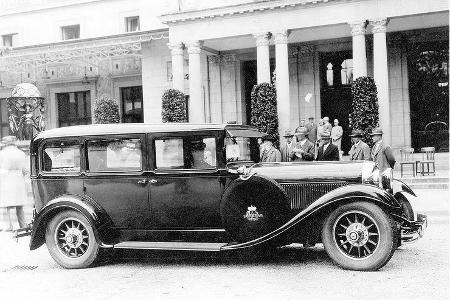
303, 194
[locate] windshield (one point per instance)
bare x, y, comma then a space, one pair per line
241, 149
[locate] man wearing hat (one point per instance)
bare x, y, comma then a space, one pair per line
287, 146
381, 154
268, 151
359, 150
304, 149
327, 151
311, 130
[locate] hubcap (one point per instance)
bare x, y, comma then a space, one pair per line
356, 234
72, 238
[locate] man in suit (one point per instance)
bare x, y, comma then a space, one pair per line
359, 150
327, 125
381, 154
287, 146
304, 149
268, 151
311, 130
327, 151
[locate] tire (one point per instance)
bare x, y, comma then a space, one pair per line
71, 240
252, 208
359, 236
406, 207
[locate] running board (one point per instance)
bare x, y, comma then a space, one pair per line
178, 246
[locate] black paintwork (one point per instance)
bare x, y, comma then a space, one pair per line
175, 205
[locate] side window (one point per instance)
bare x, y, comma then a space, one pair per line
186, 153
61, 157
118, 155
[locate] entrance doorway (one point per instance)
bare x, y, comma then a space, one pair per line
428, 93
336, 77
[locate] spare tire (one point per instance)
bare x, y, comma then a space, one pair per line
254, 207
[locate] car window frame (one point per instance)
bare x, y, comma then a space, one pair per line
43, 145
180, 134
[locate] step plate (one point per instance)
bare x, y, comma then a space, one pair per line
178, 246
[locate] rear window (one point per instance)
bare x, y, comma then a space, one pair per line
118, 155
61, 157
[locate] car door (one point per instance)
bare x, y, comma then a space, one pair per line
116, 178
185, 184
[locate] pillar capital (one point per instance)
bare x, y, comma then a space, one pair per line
379, 26
262, 38
194, 47
176, 48
358, 27
280, 36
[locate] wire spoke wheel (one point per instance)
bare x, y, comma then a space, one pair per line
72, 238
356, 234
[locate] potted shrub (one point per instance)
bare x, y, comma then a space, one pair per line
106, 111
174, 106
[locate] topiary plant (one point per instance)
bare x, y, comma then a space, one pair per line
106, 111
264, 110
365, 107
174, 106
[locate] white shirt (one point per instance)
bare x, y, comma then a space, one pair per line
302, 142
325, 147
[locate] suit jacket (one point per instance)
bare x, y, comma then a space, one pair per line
327, 127
270, 154
360, 152
383, 156
308, 147
286, 151
331, 153
312, 132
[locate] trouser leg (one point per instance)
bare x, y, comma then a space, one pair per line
20, 216
8, 218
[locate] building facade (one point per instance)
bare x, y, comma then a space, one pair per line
216, 51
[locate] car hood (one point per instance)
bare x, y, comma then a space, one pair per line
308, 171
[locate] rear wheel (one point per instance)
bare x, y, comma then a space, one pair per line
359, 236
71, 240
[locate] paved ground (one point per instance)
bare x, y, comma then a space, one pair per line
416, 271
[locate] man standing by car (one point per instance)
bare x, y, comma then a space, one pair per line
304, 149
288, 146
268, 151
311, 130
359, 150
381, 154
327, 151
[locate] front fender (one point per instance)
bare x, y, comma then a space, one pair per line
95, 216
399, 186
340, 195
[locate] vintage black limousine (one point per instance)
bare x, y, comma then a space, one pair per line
201, 188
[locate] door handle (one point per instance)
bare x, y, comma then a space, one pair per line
153, 181
143, 181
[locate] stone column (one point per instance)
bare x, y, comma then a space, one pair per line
196, 105
380, 72
177, 65
359, 49
262, 57
282, 82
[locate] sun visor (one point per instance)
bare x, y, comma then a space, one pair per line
247, 132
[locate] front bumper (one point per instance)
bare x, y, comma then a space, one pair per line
411, 231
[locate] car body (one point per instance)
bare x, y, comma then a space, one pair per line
200, 188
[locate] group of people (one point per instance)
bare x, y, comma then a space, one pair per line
322, 143
13, 187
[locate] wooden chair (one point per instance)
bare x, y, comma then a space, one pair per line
427, 160
406, 158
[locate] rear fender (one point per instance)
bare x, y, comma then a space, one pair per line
345, 194
86, 206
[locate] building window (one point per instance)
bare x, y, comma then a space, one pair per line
7, 40
70, 32
132, 24
132, 110
330, 74
74, 108
4, 122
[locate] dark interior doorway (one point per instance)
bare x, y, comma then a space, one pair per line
336, 76
428, 93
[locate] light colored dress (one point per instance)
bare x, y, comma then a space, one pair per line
13, 190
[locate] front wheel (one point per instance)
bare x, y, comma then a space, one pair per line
71, 240
359, 236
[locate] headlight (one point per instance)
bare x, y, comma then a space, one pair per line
386, 179
368, 169
372, 175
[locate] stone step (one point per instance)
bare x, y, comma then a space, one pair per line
424, 179
429, 186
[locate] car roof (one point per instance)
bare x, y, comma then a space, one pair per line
129, 128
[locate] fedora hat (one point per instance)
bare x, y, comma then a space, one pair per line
325, 135
301, 131
377, 131
288, 133
268, 137
356, 133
